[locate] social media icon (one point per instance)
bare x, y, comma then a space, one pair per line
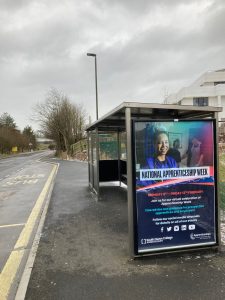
183, 227
191, 227
169, 228
176, 228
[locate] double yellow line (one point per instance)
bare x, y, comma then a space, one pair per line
12, 265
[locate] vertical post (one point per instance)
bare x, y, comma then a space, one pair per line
118, 152
88, 152
217, 214
96, 87
92, 162
97, 163
130, 182
219, 101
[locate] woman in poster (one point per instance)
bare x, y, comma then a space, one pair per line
161, 160
195, 153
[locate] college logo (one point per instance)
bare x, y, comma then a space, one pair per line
192, 236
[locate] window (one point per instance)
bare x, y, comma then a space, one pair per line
108, 146
200, 101
219, 82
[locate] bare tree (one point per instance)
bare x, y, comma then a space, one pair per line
61, 120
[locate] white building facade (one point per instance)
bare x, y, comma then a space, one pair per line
207, 90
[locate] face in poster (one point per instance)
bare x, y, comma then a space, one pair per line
175, 184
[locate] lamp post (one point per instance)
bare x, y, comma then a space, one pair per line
96, 86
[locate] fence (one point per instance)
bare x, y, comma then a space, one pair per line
79, 150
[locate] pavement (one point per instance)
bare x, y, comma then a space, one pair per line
83, 252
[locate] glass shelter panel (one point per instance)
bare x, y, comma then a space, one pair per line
108, 146
90, 159
95, 160
123, 146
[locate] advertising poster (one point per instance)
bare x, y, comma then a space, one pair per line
175, 184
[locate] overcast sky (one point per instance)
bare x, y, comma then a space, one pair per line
145, 50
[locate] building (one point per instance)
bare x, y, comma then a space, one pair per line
207, 90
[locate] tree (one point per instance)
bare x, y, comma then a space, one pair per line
7, 121
11, 137
61, 120
30, 136
7, 133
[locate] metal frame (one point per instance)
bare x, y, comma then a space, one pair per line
218, 176
97, 163
88, 151
118, 152
217, 216
130, 182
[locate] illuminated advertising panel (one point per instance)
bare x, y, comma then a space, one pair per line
175, 192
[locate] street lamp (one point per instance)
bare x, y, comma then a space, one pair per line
96, 86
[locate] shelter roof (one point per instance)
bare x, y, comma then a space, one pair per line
115, 119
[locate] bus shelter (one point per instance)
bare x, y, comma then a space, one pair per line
172, 204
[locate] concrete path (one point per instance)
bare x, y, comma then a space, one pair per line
83, 252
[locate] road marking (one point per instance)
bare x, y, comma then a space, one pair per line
12, 265
23, 284
23, 179
34, 176
12, 225
9, 183
8, 273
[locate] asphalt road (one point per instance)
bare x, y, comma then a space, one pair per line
83, 252
22, 179
12, 165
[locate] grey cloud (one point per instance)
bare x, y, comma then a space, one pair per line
145, 52
214, 26
141, 6
12, 5
140, 68
157, 58
50, 38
